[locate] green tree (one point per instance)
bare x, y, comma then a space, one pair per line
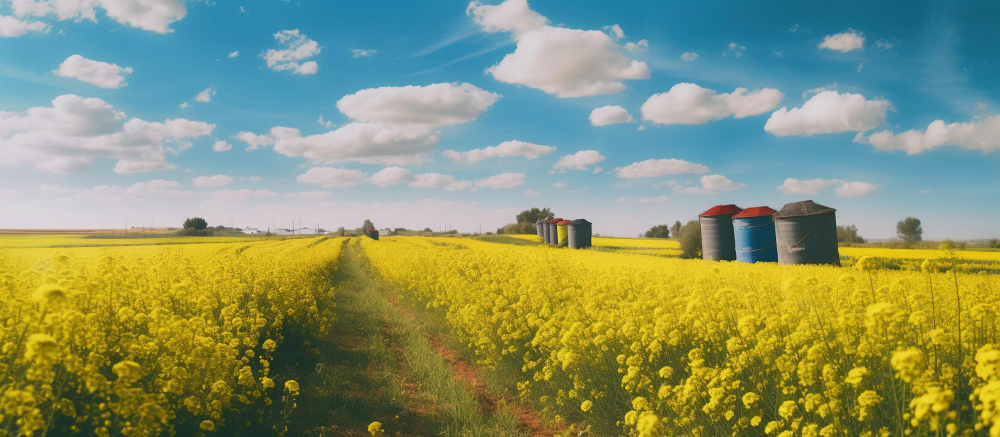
341, 231
909, 230
534, 214
658, 231
849, 234
196, 223
368, 225
690, 239
994, 243
428, 230
675, 230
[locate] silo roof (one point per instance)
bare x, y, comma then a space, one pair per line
563, 222
721, 210
757, 211
579, 222
555, 220
803, 208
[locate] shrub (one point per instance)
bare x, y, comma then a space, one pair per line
658, 231
690, 239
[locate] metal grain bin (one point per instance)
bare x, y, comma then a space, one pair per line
553, 237
806, 233
562, 233
538, 229
717, 240
545, 231
753, 229
580, 232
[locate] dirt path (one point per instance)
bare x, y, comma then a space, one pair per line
381, 365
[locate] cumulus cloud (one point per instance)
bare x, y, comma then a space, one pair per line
151, 15
332, 177
205, 96
815, 186
255, 141
212, 181
829, 112
435, 105
70, 134
298, 48
844, 41
614, 31
717, 182
221, 146
505, 149
98, 73
689, 56
606, 115
688, 103
391, 176
363, 53
982, 135
156, 187
736, 49
500, 181
557, 60
325, 123
652, 168
11, 27
234, 53
579, 161
638, 46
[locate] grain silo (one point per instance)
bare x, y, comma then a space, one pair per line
806, 233
753, 229
538, 229
553, 232
545, 231
562, 233
580, 232
717, 241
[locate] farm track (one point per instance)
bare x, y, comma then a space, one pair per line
380, 364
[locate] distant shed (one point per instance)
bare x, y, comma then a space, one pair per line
806, 233
717, 239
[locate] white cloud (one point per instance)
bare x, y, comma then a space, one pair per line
844, 41
815, 186
579, 161
332, 177
152, 15
638, 46
156, 187
657, 199
982, 135
856, 189
606, 115
810, 187
391, 176
860, 67
614, 31
355, 142
717, 182
689, 56
241, 195
255, 141
298, 48
212, 181
884, 45
184, 105
597, 170
325, 123
777, 54
925, 191
435, 105
221, 146
560, 61
829, 112
559, 185
11, 27
652, 168
530, 193
98, 73
809, 92
503, 150
736, 49
432, 180
205, 96
234, 53
500, 181
688, 103
794, 28
70, 134
309, 195
363, 53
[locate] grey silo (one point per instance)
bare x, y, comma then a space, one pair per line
718, 241
545, 232
553, 231
538, 228
580, 232
806, 233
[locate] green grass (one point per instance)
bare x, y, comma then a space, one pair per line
380, 365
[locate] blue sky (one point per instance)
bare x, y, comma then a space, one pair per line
114, 109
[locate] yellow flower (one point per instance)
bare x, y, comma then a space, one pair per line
41, 347
586, 406
269, 345
375, 429
127, 371
292, 386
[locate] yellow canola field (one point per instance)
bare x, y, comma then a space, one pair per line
641, 246
43, 241
660, 346
158, 339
